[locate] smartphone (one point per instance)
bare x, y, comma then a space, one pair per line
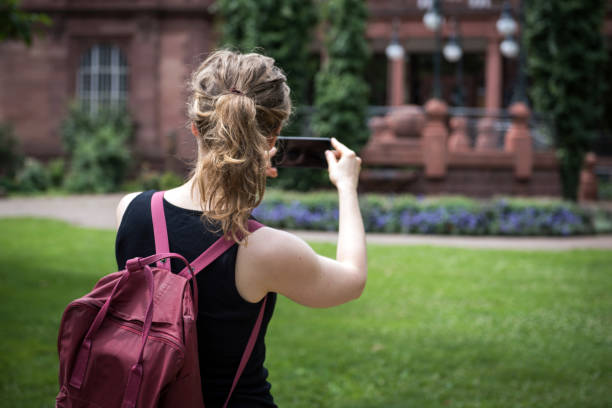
305, 152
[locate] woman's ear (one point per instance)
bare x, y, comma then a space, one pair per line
194, 130
272, 139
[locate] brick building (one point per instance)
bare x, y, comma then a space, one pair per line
140, 52
104, 52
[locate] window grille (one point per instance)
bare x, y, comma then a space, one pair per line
102, 78
474, 4
479, 4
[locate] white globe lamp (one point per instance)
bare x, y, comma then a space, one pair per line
452, 51
506, 25
432, 20
394, 51
509, 48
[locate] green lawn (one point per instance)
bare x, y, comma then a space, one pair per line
436, 327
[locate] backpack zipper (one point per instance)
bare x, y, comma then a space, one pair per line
166, 338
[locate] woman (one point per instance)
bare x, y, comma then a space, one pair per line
238, 105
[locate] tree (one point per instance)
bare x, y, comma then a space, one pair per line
17, 24
283, 30
238, 23
566, 59
341, 93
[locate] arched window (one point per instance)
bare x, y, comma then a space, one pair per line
102, 78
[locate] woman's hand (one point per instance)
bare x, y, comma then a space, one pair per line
271, 172
343, 166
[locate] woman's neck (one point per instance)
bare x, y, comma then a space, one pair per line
185, 196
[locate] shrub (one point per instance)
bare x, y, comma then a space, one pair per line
32, 177
56, 169
519, 217
147, 180
300, 179
170, 180
602, 221
153, 180
376, 214
605, 190
11, 159
439, 215
98, 149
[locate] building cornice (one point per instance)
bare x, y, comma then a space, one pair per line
416, 8
195, 7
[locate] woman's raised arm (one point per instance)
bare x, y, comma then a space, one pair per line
277, 261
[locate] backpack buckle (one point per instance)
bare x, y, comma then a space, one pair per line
133, 264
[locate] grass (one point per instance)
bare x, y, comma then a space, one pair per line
436, 327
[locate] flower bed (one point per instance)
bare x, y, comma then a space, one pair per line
436, 215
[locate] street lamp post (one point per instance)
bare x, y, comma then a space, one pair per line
518, 137
522, 77
434, 136
453, 53
433, 21
510, 48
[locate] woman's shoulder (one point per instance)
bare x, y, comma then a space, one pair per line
269, 250
125, 202
267, 241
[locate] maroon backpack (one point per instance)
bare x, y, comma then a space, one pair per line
132, 341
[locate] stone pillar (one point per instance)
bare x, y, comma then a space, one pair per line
519, 142
396, 83
493, 72
406, 122
486, 140
379, 129
435, 137
588, 180
459, 140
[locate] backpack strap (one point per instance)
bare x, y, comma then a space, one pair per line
246, 354
201, 262
159, 228
215, 250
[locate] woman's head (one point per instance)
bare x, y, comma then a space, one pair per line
239, 102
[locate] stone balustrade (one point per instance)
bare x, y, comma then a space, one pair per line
425, 152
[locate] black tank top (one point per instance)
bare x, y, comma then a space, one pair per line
225, 319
